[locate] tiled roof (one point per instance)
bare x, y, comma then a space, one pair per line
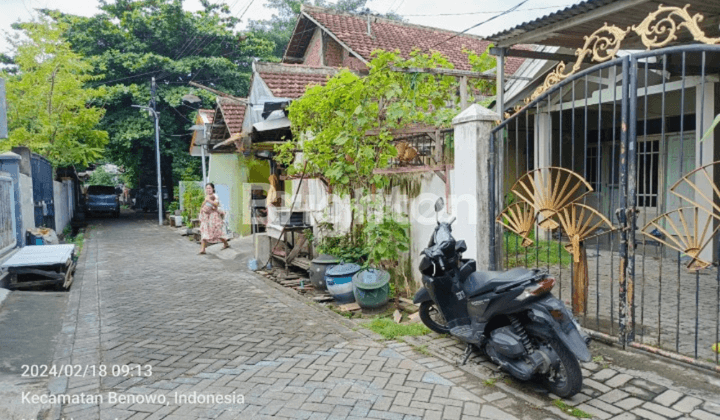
233, 114
207, 114
392, 35
291, 81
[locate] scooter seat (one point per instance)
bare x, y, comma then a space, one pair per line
481, 282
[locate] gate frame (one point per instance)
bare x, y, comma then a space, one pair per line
602, 46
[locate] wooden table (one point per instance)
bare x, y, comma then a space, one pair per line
290, 244
46, 264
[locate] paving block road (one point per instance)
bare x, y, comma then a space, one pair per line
163, 333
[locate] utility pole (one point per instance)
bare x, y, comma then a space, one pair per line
151, 109
153, 89
3, 113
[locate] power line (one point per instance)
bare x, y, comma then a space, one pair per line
512, 9
487, 12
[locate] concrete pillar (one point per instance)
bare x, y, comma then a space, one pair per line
543, 154
472, 185
704, 116
10, 163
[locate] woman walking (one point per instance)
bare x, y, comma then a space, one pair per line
211, 220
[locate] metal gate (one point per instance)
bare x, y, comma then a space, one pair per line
42, 181
602, 178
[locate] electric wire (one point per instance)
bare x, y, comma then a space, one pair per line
486, 12
512, 9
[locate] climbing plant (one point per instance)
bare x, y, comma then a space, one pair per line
331, 123
344, 131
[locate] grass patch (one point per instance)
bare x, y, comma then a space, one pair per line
490, 382
423, 349
78, 240
389, 329
575, 412
540, 253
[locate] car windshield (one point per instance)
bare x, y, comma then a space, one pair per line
100, 190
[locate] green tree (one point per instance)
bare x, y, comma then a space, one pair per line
129, 42
47, 103
101, 177
280, 26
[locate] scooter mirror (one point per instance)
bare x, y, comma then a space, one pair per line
439, 204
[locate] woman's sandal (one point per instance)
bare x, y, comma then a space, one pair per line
225, 247
202, 253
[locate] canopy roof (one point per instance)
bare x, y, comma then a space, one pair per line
570, 26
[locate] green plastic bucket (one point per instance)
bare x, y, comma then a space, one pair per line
371, 288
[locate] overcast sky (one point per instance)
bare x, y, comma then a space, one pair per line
454, 15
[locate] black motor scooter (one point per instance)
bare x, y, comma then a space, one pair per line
510, 315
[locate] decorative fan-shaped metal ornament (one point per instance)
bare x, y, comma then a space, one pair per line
700, 198
550, 189
580, 223
690, 236
519, 218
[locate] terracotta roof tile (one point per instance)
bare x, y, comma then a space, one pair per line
291, 81
392, 35
292, 86
208, 114
233, 114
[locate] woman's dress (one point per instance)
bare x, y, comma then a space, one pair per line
211, 224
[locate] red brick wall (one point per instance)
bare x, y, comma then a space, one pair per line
333, 53
312, 54
352, 62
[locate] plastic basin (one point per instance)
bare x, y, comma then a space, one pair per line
339, 282
371, 288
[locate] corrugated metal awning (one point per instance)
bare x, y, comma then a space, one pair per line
569, 27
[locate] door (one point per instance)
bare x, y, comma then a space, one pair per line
42, 181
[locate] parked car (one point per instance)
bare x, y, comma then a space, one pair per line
102, 199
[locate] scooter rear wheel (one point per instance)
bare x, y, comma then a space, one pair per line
431, 316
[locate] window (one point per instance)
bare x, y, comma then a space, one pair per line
591, 167
648, 160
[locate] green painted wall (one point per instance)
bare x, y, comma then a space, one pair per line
231, 171
227, 173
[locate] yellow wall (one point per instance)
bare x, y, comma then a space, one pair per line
230, 170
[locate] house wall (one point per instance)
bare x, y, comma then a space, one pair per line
352, 62
63, 205
313, 54
333, 53
421, 212
26, 202
231, 176
227, 175
418, 211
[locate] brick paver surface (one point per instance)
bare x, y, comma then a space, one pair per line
209, 327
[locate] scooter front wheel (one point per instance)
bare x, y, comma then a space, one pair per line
431, 316
566, 379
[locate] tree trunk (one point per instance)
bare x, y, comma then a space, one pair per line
580, 282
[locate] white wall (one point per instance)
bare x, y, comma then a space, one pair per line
421, 213
26, 198
418, 211
63, 213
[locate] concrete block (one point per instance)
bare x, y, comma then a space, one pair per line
262, 246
